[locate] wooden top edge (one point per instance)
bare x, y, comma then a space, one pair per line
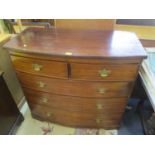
15, 52
80, 43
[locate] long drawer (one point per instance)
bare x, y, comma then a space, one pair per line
77, 119
89, 105
40, 67
75, 88
101, 72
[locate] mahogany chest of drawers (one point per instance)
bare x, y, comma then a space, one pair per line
78, 78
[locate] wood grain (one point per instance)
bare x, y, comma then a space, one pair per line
93, 72
76, 88
81, 43
48, 68
77, 119
81, 104
103, 61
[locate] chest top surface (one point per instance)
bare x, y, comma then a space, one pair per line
81, 43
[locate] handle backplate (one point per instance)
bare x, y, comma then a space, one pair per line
104, 72
102, 90
41, 84
37, 67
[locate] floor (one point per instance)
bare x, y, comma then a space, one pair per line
130, 125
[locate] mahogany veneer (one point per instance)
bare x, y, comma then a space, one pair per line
79, 78
71, 103
75, 88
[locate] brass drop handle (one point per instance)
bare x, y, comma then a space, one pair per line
37, 67
102, 90
99, 106
48, 114
44, 100
98, 121
41, 84
104, 72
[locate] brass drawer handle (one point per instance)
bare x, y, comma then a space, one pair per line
102, 90
98, 121
37, 67
41, 84
104, 72
99, 106
44, 100
48, 114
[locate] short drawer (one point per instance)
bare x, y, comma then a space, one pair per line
75, 88
77, 119
40, 67
126, 72
89, 105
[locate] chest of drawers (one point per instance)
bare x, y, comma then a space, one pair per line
77, 78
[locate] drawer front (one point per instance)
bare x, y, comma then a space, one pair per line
104, 72
89, 105
40, 67
77, 119
75, 88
